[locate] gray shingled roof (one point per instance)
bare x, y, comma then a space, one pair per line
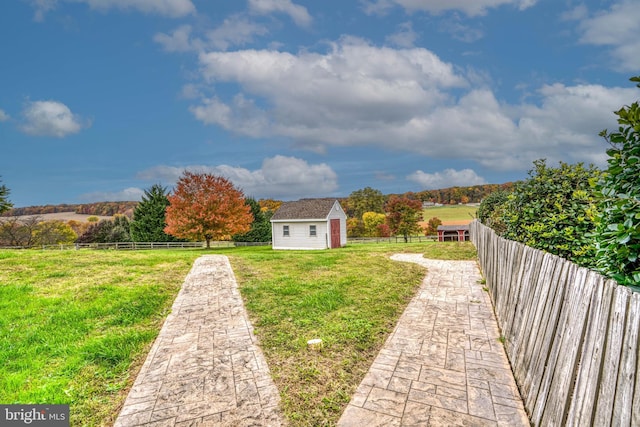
304, 209
453, 227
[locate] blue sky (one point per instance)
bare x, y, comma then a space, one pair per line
101, 99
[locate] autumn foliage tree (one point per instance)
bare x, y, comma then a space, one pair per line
206, 206
432, 226
403, 216
372, 222
32, 231
54, 233
366, 200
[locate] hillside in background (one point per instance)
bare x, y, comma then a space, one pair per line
97, 209
445, 196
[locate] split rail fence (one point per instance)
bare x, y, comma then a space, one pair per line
571, 335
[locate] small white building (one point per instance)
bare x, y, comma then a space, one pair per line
309, 224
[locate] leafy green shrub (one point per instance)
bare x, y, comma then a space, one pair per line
618, 232
554, 210
491, 209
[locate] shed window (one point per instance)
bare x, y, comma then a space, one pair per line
312, 230
285, 230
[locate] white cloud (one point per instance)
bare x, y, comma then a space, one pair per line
564, 126
377, 7
446, 178
170, 8
435, 7
284, 177
190, 91
234, 31
51, 118
241, 116
460, 31
3, 116
179, 40
403, 99
578, 13
616, 27
404, 37
42, 7
279, 177
353, 90
297, 13
165, 174
132, 194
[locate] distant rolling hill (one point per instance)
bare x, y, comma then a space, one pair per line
64, 216
99, 209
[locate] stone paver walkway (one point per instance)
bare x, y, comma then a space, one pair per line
205, 367
444, 364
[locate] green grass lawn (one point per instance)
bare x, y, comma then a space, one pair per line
451, 213
350, 298
75, 326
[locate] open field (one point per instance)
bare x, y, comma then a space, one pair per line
63, 216
76, 325
452, 214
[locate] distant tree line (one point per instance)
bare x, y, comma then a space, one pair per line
456, 195
370, 213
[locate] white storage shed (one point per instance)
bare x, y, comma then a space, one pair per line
309, 224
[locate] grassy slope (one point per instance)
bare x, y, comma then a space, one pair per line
451, 214
76, 325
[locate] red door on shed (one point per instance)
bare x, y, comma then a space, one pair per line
335, 233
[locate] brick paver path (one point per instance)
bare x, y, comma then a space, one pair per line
444, 364
205, 367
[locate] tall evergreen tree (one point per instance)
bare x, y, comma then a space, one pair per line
260, 227
149, 217
5, 204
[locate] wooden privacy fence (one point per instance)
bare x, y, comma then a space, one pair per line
571, 335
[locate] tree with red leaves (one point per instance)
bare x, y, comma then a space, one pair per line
206, 206
403, 215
